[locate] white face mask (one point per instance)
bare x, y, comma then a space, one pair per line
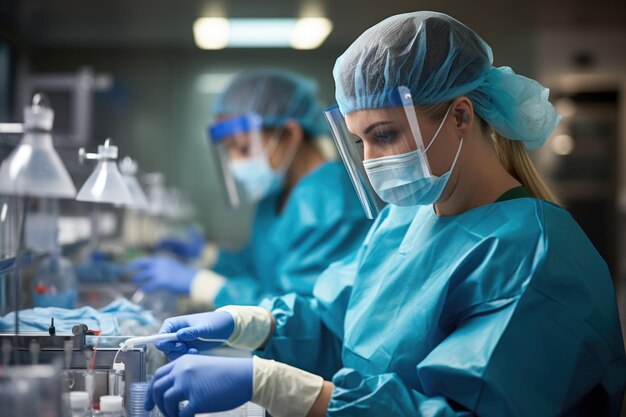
256, 176
405, 179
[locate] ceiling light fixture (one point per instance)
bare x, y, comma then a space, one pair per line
219, 32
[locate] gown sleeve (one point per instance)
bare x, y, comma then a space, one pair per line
234, 263
309, 330
242, 286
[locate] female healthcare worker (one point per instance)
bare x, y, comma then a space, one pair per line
307, 215
492, 302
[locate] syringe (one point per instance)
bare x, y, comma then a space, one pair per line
156, 338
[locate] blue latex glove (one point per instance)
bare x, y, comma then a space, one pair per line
210, 384
217, 325
162, 273
189, 247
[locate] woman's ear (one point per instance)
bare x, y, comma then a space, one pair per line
463, 112
292, 134
290, 140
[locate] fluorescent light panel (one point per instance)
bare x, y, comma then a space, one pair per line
219, 32
260, 33
310, 32
211, 32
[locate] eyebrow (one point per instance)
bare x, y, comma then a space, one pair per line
373, 125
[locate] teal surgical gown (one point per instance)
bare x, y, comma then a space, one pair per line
322, 221
504, 310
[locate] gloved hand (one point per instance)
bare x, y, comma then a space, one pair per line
217, 325
156, 273
209, 383
244, 327
189, 247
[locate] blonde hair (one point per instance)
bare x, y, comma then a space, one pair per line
514, 158
511, 153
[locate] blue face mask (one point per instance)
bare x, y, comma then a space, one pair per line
405, 179
256, 177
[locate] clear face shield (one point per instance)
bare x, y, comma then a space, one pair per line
385, 154
243, 157
350, 149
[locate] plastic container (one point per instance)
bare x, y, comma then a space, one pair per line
112, 406
34, 168
33, 390
79, 404
105, 184
117, 379
128, 169
137, 399
246, 410
253, 410
138, 391
55, 284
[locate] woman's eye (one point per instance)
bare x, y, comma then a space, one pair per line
385, 137
356, 139
238, 150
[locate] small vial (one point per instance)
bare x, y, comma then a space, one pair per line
117, 379
79, 404
112, 406
90, 384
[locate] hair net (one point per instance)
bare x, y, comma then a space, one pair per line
277, 95
438, 58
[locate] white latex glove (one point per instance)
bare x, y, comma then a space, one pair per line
283, 390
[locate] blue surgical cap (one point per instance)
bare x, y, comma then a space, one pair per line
277, 95
438, 58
